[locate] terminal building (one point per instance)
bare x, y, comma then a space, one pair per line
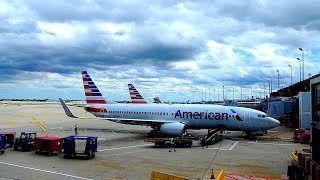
315, 125
307, 96
292, 105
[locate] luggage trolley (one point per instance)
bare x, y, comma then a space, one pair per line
80, 145
3, 143
48, 145
11, 136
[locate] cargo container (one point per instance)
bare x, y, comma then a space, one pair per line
48, 145
10, 136
3, 143
85, 146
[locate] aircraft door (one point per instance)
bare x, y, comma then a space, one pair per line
169, 115
246, 117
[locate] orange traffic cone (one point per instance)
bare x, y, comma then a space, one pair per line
212, 175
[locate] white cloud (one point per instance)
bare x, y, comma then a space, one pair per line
165, 48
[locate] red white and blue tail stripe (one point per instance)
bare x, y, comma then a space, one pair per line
93, 95
136, 97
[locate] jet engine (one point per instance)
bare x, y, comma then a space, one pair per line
176, 129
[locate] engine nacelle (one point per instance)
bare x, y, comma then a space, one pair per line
176, 129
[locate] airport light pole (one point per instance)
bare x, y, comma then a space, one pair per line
233, 94
218, 95
302, 63
222, 93
300, 67
270, 85
291, 73
278, 80
264, 91
260, 90
241, 93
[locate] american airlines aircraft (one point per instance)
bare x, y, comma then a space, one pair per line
135, 96
174, 119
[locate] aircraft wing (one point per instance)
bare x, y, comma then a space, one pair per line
149, 122
123, 120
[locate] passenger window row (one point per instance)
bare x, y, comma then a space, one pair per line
129, 112
155, 113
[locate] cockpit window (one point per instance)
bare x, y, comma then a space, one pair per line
263, 115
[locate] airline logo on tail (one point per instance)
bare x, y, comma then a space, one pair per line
93, 95
136, 97
236, 115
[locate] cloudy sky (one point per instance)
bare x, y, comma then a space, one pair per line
176, 50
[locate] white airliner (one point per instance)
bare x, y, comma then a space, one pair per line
174, 119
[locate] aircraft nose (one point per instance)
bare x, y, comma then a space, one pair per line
274, 123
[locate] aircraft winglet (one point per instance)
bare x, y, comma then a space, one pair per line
66, 109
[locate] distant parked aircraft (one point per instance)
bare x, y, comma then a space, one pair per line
135, 96
174, 119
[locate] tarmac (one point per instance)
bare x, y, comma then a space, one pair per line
122, 153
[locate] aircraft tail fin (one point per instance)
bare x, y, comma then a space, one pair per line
136, 97
92, 93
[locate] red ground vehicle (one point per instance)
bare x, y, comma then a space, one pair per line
301, 136
48, 145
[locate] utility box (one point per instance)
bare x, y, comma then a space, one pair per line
48, 145
304, 110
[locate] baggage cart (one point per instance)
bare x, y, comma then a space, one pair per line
81, 146
11, 136
48, 145
3, 143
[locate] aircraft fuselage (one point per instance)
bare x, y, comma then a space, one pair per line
194, 116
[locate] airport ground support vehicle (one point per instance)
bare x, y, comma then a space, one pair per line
212, 137
25, 142
300, 166
301, 136
3, 143
180, 142
48, 145
11, 136
80, 145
